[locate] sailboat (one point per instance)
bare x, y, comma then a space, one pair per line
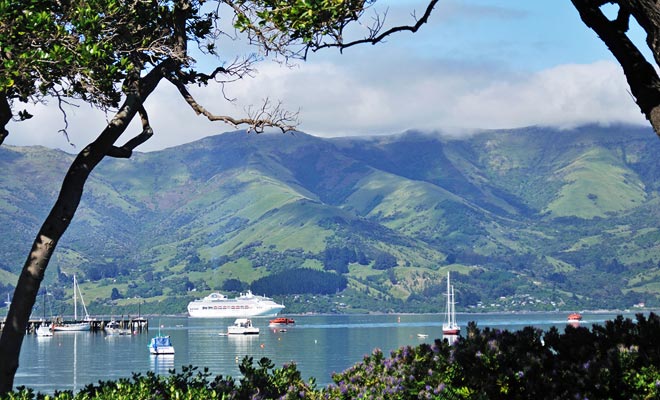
76, 326
450, 327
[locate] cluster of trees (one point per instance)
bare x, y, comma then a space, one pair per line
337, 259
299, 281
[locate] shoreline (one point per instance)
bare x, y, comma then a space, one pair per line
522, 312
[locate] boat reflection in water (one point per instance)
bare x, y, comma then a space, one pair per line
162, 363
451, 338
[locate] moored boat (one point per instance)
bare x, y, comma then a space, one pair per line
217, 305
161, 345
114, 328
242, 326
574, 318
76, 326
44, 331
281, 321
73, 327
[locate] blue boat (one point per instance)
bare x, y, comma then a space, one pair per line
161, 345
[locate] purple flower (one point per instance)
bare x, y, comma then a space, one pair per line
439, 389
343, 388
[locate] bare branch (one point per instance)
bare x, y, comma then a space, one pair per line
235, 71
64, 131
375, 36
259, 119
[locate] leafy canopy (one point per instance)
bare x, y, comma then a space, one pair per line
85, 50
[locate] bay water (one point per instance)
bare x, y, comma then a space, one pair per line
318, 344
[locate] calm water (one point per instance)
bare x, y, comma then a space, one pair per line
320, 345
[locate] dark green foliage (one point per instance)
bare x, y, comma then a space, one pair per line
338, 258
95, 272
234, 285
384, 261
299, 281
259, 382
115, 294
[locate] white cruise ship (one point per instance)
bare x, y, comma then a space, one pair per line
217, 305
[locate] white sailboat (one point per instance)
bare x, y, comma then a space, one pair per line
76, 326
450, 327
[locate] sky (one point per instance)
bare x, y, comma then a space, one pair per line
477, 64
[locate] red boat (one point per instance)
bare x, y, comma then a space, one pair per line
282, 321
574, 317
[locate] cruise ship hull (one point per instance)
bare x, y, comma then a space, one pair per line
232, 313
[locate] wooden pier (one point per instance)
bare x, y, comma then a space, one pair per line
136, 325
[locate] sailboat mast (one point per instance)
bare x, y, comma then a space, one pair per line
75, 300
448, 301
453, 308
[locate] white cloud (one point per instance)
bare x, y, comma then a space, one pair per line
368, 94
563, 96
369, 98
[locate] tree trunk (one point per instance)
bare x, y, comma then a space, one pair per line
640, 74
56, 224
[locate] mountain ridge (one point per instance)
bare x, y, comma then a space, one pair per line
532, 218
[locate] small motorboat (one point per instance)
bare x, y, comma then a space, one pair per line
44, 331
114, 328
242, 326
281, 321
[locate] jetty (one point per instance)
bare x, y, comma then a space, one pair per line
136, 324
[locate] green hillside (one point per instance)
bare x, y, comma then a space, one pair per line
533, 218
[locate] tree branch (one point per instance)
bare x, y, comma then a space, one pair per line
5, 116
375, 36
126, 151
640, 74
647, 14
267, 116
